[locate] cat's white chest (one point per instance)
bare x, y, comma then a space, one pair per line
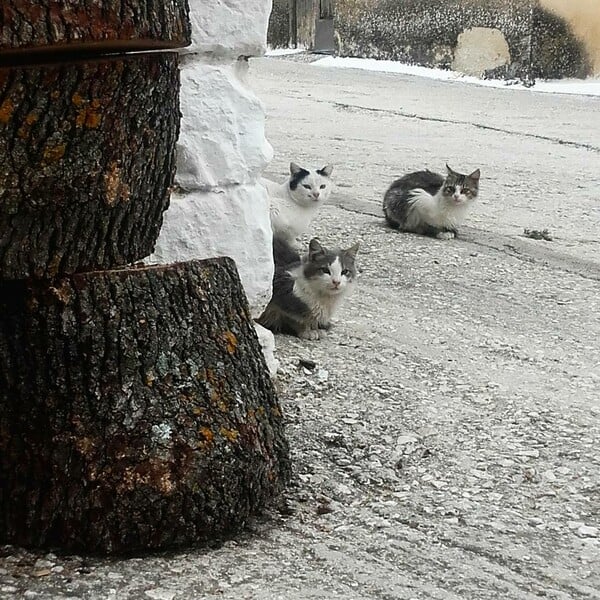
321, 306
321, 309
288, 219
434, 212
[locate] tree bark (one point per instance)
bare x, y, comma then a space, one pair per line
87, 158
136, 410
44, 26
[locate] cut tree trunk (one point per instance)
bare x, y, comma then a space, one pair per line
43, 26
87, 158
136, 410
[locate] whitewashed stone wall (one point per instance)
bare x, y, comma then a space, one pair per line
219, 208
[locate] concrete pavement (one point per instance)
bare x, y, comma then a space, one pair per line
539, 153
446, 440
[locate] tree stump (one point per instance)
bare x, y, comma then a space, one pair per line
87, 158
136, 410
61, 26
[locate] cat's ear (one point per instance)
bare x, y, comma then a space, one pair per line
475, 175
315, 249
326, 171
295, 169
351, 252
450, 171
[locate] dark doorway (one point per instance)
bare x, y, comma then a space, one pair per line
302, 24
324, 31
326, 9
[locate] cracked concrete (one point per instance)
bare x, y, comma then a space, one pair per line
518, 247
420, 117
445, 434
538, 153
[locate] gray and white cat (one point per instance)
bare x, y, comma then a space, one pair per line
295, 203
427, 203
307, 291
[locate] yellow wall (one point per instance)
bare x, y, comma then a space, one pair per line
584, 18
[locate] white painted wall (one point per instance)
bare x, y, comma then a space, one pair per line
220, 209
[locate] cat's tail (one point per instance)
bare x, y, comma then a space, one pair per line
270, 318
388, 209
284, 253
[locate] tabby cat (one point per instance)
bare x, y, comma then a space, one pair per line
308, 290
430, 204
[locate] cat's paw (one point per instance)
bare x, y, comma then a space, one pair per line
309, 334
446, 235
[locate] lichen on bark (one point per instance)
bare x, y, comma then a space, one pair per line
87, 158
136, 410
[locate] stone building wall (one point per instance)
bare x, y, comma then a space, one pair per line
218, 208
583, 19
526, 39
427, 32
511, 38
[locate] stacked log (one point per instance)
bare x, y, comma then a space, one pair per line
86, 161
29, 27
136, 410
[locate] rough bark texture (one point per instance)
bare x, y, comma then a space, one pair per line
87, 157
136, 410
53, 25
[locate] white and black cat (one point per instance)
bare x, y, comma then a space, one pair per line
295, 203
307, 291
427, 203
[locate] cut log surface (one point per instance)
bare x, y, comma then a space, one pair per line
104, 25
136, 410
87, 158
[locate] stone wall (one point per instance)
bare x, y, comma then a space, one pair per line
583, 19
218, 207
426, 31
513, 38
526, 39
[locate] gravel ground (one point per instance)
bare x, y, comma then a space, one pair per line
445, 434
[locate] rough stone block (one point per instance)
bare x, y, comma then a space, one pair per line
222, 139
232, 222
229, 27
267, 344
480, 49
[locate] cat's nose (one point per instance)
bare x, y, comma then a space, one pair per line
336, 282
316, 195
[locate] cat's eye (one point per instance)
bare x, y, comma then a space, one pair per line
346, 272
325, 270
323, 186
449, 190
306, 186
